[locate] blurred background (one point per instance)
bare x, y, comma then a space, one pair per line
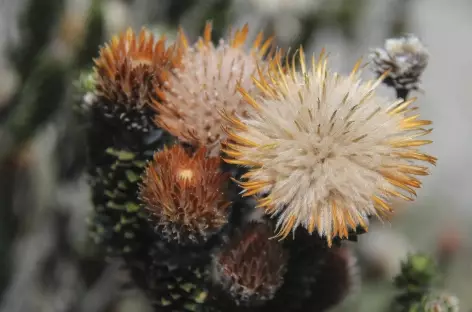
47, 262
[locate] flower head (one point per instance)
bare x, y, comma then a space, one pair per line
131, 71
406, 58
251, 266
206, 83
324, 149
185, 194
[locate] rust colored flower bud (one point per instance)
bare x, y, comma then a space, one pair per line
251, 266
185, 195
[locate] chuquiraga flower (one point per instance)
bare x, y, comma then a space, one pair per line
121, 134
131, 71
185, 195
405, 58
250, 268
324, 150
206, 83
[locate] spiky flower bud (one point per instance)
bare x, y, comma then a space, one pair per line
405, 58
440, 302
250, 268
325, 150
131, 71
121, 135
185, 195
205, 84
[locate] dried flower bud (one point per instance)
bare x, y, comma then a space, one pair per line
251, 267
185, 194
406, 58
206, 84
131, 70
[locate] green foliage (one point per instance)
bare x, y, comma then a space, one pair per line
94, 34
86, 82
417, 284
118, 222
40, 97
36, 24
418, 274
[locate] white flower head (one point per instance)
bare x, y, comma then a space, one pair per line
406, 58
324, 150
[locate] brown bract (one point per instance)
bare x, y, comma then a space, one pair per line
206, 84
251, 266
185, 194
131, 69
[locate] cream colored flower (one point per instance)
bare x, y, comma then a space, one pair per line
324, 149
205, 84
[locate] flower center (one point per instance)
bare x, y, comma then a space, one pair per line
186, 174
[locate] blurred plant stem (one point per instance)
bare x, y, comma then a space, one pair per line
400, 17
94, 35
36, 29
24, 112
8, 220
347, 16
43, 91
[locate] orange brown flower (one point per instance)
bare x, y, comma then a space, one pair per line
132, 68
185, 194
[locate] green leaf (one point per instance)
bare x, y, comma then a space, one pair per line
122, 185
187, 287
200, 297
129, 235
165, 302
109, 194
113, 205
127, 249
132, 207
132, 176
140, 163
175, 296
120, 154
190, 307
